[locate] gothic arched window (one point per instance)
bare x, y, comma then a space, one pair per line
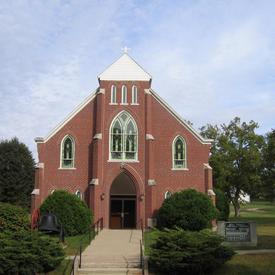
124, 94
113, 94
67, 152
134, 95
179, 153
123, 138
78, 194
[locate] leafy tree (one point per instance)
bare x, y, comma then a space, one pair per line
222, 204
16, 173
188, 209
269, 167
235, 158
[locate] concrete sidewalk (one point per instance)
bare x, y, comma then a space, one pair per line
113, 252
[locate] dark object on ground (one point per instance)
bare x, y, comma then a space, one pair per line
49, 225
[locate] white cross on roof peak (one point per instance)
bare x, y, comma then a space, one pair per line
125, 49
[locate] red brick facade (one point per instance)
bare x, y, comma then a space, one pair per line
93, 172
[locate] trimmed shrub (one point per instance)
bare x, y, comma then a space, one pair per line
188, 209
186, 252
26, 252
13, 218
71, 212
222, 204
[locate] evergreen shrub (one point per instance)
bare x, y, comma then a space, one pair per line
177, 251
188, 209
13, 218
222, 204
71, 212
28, 252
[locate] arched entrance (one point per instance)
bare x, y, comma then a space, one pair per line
123, 203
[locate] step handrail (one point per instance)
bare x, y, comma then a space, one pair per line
95, 228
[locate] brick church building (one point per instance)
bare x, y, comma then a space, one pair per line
123, 151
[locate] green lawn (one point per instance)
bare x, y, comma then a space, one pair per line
249, 265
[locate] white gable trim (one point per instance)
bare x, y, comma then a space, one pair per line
123, 73
69, 117
180, 119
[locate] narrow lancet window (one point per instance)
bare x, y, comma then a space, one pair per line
67, 152
179, 153
124, 94
134, 95
113, 94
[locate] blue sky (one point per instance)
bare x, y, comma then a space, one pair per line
210, 60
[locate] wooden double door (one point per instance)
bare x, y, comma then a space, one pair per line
122, 212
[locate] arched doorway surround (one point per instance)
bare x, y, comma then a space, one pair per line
123, 202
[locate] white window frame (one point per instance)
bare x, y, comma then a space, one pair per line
113, 95
78, 191
61, 153
167, 194
123, 159
184, 156
134, 95
124, 95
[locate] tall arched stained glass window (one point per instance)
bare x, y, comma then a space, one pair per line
179, 153
123, 138
67, 152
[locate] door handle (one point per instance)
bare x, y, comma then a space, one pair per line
122, 215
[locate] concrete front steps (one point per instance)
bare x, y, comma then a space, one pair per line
110, 270
113, 252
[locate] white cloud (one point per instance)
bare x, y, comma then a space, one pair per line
210, 60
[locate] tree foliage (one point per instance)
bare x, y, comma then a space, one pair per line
188, 209
222, 204
268, 188
71, 212
16, 173
235, 158
186, 252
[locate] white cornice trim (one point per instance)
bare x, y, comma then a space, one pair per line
94, 182
98, 136
207, 166
39, 165
149, 137
101, 91
152, 182
147, 91
35, 192
180, 119
210, 192
69, 117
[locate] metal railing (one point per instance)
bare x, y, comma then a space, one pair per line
94, 229
141, 245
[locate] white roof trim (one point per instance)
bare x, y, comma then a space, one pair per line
180, 119
125, 68
70, 116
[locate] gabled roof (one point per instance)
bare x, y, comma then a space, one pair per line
125, 68
180, 119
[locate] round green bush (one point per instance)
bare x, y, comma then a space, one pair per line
186, 252
188, 209
28, 252
13, 218
71, 212
222, 204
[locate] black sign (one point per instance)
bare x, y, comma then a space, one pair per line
237, 232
